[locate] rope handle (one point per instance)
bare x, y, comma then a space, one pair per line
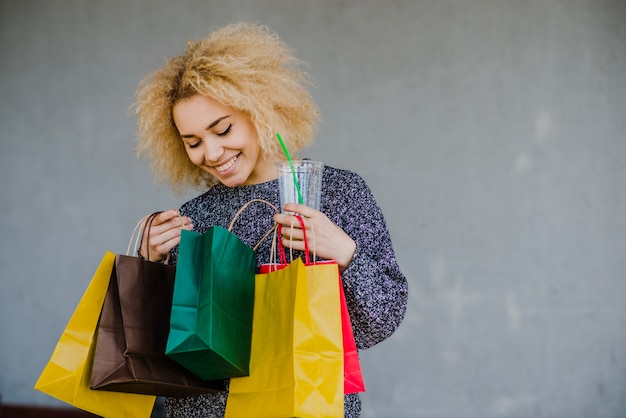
273, 248
133, 236
267, 234
149, 222
146, 221
281, 249
241, 209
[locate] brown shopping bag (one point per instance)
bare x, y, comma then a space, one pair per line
68, 372
133, 330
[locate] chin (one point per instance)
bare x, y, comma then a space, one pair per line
233, 182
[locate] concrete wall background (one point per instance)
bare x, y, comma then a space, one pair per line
492, 133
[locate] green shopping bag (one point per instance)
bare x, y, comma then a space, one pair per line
212, 305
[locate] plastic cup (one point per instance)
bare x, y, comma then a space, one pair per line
309, 176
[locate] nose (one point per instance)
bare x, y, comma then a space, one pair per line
212, 151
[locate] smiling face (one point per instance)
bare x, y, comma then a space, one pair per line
222, 141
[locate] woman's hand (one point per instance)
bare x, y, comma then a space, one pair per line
325, 239
164, 234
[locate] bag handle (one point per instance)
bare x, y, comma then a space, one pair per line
248, 203
133, 236
307, 257
138, 237
283, 260
149, 222
241, 209
267, 234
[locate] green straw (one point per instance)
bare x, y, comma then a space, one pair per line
293, 170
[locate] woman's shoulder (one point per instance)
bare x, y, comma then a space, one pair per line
340, 174
342, 180
347, 198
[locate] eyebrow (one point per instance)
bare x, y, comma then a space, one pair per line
211, 125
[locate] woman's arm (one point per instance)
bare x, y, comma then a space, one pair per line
375, 287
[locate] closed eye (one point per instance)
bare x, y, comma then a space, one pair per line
226, 131
197, 144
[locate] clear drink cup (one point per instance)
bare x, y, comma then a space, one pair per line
308, 174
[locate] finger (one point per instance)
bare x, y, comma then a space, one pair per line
294, 244
283, 218
167, 223
165, 217
294, 234
164, 236
160, 245
180, 222
165, 247
301, 209
286, 220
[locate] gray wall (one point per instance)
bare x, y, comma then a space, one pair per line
491, 131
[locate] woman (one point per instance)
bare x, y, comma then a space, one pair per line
208, 119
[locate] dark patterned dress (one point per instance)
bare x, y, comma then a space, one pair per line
376, 290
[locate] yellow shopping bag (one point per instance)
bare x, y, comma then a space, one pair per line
67, 375
296, 359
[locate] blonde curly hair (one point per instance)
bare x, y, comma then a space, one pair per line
243, 66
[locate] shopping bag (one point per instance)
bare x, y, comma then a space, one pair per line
212, 306
353, 376
67, 374
296, 360
132, 333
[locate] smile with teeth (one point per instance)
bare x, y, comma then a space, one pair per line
228, 164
